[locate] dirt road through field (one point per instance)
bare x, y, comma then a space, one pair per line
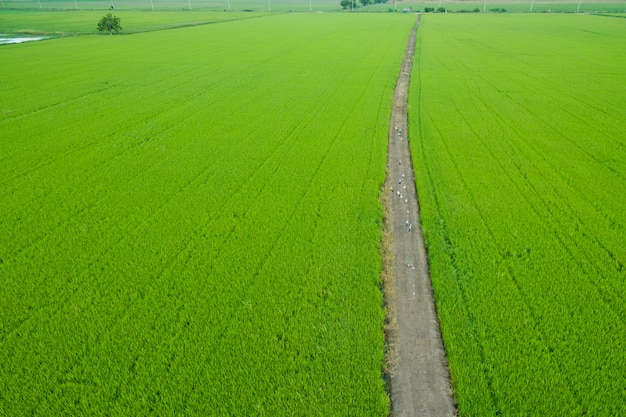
419, 378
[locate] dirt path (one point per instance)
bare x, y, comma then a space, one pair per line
419, 377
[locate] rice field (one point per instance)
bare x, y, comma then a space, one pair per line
517, 126
84, 22
190, 221
282, 6
171, 5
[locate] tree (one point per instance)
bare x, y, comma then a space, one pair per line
109, 23
346, 4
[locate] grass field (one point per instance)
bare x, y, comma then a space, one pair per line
190, 220
518, 128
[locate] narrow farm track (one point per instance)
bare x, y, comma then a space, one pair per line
420, 383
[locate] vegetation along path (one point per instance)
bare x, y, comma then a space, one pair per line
419, 376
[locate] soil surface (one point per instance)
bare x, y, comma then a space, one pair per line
419, 375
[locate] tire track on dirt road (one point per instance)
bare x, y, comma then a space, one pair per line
419, 375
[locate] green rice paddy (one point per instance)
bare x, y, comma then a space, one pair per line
518, 139
190, 219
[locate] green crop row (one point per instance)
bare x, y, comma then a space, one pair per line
189, 221
517, 134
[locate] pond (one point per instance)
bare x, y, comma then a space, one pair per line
8, 39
